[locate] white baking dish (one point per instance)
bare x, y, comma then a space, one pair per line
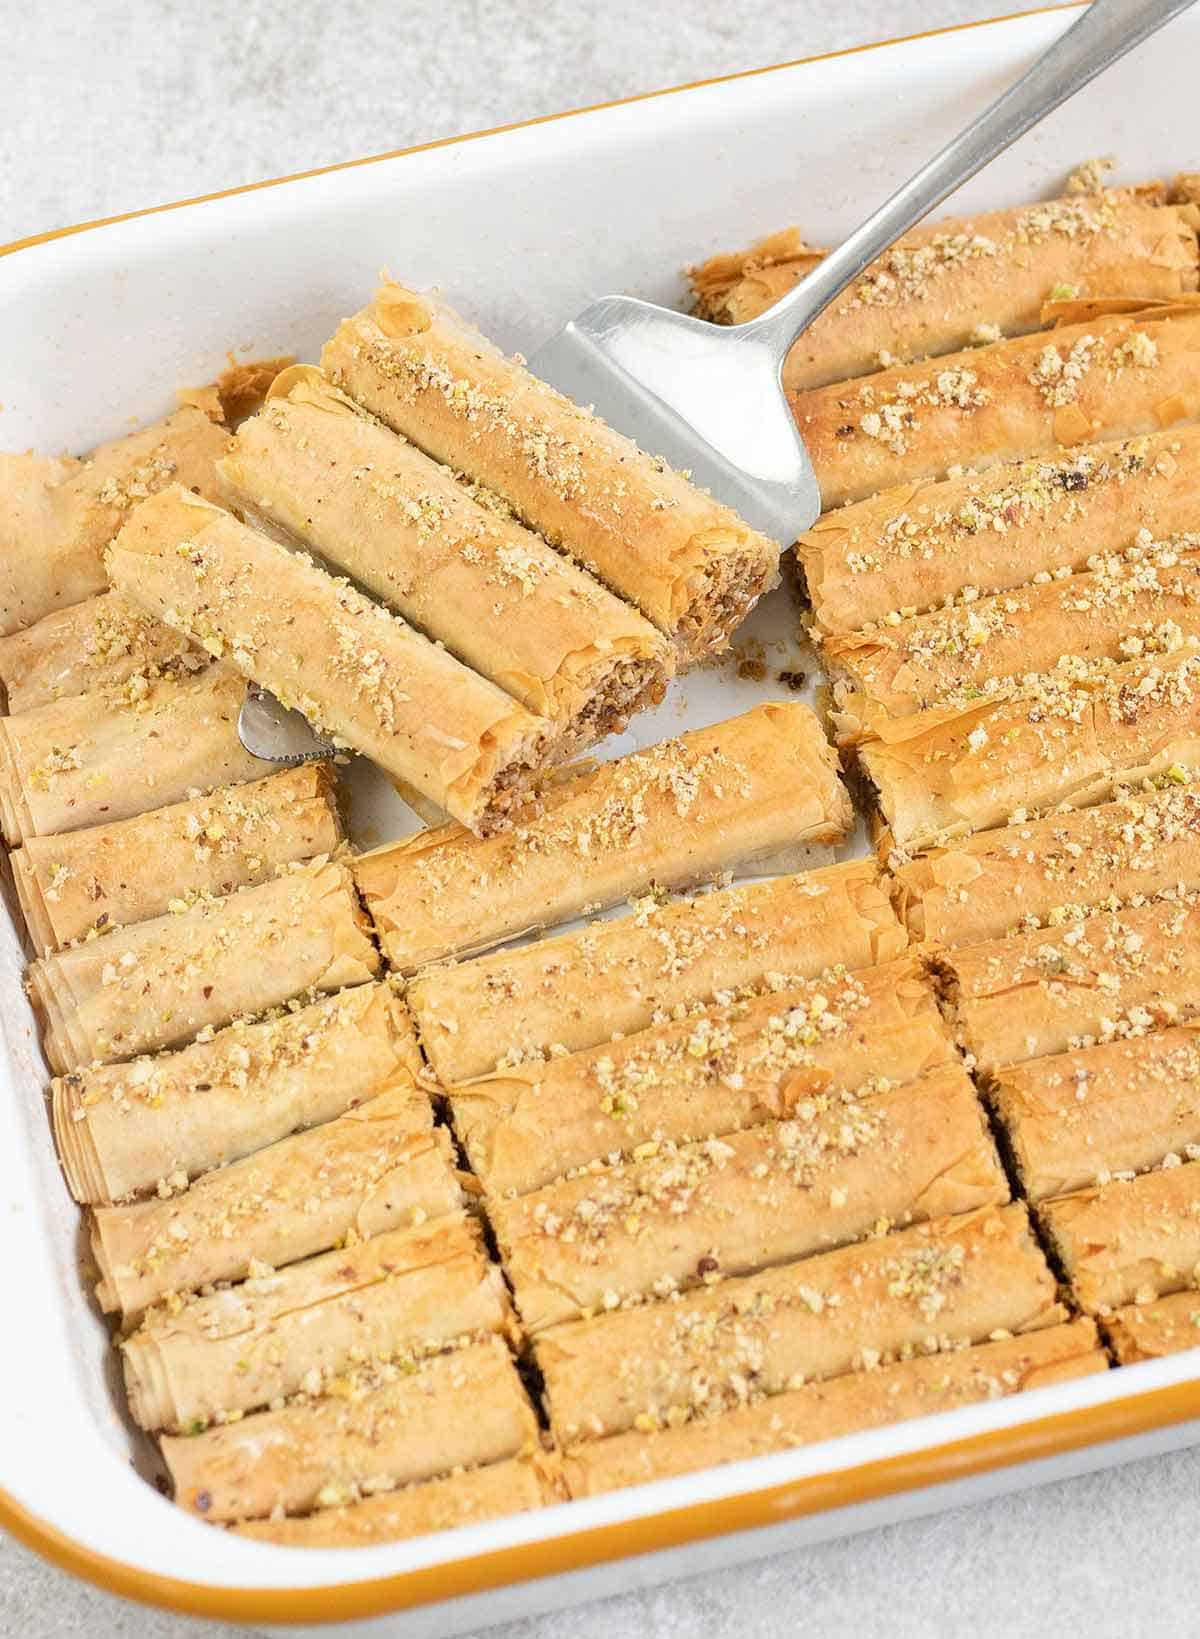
520, 228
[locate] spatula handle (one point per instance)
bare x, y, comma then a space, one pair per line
1104, 33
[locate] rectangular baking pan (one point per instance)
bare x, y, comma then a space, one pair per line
520, 228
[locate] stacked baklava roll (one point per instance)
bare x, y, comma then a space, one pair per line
1068, 949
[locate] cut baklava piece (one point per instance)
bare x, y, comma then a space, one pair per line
963, 281
1151, 1331
1118, 374
688, 563
712, 1071
758, 787
574, 991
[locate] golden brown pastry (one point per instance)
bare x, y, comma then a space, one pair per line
1051, 871
1150, 1331
512, 1487
920, 1387
380, 1166
377, 1427
711, 1072
963, 281
688, 563
619, 976
353, 669
464, 573
95, 758
399, 1296
752, 788
937, 1285
1130, 1240
1123, 1106
683, 1215
154, 1123
108, 876
1073, 737
104, 640
1114, 974
1117, 374
921, 545
161, 983
56, 517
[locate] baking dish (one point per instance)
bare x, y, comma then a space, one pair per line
100, 324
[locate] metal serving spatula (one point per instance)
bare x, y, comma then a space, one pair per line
709, 399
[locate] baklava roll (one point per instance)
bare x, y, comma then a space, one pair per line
1122, 1106
1151, 1331
382, 1165
95, 758
90, 645
514, 1487
57, 517
1071, 737
746, 790
709, 1073
1144, 603
160, 983
963, 281
685, 1215
407, 531
937, 1285
688, 563
1130, 1240
1116, 973
1117, 375
355, 670
109, 876
400, 1296
919, 1387
377, 1427
920, 546
151, 1125
1046, 872
616, 977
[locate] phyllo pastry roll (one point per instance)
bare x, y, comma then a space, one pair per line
1047, 872
1114, 974
162, 982
1150, 1331
95, 758
937, 1285
746, 790
382, 1165
1116, 375
455, 1499
56, 518
111, 875
1130, 1240
88, 646
151, 1125
683, 1215
1073, 737
1143, 602
919, 1387
920, 546
687, 562
711, 1072
374, 1428
397, 1297
565, 994
1122, 1106
463, 572
354, 670
959, 282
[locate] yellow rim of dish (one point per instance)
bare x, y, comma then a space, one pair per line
1042, 1438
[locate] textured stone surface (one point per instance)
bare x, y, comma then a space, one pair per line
111, 106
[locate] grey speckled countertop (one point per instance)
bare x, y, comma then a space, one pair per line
110, 105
